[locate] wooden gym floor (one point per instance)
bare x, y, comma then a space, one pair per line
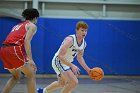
113, 84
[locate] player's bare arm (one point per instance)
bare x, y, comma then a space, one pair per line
66, 44
82, 61
31, 28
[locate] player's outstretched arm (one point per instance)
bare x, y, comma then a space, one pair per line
82, 61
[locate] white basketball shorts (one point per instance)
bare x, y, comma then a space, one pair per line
58, 66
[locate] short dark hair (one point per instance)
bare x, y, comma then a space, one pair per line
29, 14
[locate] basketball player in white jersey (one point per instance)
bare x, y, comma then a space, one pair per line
67, 72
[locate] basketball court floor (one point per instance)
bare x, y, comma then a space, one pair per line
107, 85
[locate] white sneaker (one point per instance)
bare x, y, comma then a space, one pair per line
45, 90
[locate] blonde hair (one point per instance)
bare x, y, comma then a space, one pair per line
81, 24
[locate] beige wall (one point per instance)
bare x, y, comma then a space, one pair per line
88, 9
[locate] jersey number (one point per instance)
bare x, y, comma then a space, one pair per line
74, 54
16, 27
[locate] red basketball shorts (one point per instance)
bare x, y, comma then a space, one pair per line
12, 57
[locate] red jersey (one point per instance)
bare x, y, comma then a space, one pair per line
14, 57
17, 34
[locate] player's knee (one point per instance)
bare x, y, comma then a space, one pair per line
61, 84
30, 74
73, 83
16, 77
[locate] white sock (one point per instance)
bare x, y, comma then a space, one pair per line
45, 90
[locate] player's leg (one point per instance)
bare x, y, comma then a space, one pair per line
71, 80
12, 81
68, 81
28, 70
54, 85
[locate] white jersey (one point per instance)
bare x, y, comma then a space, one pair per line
73, 50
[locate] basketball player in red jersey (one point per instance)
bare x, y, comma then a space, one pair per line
16, 52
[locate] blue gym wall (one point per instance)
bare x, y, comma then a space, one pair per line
113, 45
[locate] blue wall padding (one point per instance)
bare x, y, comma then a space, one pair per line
113, 45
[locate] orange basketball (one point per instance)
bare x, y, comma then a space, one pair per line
96, 73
